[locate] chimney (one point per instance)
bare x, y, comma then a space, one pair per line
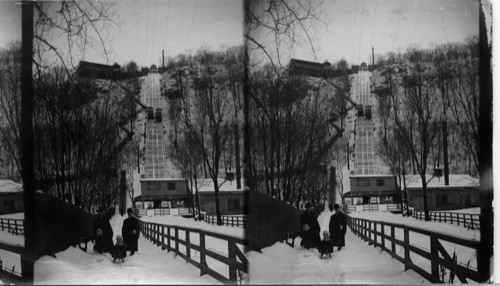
373, 57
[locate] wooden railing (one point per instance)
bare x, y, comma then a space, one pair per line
400, 241
14, 226
185, 211
162, 211
184, 241
393, 207
228, 220
370, 207
471, 221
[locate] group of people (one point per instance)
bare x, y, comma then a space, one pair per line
311, 231
103, 235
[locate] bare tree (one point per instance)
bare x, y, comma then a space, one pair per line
417, 123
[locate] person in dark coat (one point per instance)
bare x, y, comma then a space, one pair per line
104, 237
130, 231
310, 228
325, 247
119, 250
338, 227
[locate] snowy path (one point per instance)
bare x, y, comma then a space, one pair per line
150, 265
357, 263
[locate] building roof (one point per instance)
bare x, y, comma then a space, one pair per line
8, 186
372, 176
455, 180
228, 186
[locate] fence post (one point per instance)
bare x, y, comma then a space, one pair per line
1, 222
375, 234
168, 238
8, 225
471, 222
176, 240
407, 246
163, 237
233, 275
15, 227
383, 235
203, 258
232, 221
393, 243
188, 249
434, 255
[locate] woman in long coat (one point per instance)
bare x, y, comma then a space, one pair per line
106, 232
310, 233
338, 227
130, 232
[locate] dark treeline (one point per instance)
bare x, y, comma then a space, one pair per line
79, 144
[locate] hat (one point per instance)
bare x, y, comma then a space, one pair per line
336, 206
129, 210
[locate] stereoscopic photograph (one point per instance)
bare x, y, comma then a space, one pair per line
246, 142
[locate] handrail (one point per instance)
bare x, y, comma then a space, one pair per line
167, 236
14, 226
471, 221
228, 220
381, 234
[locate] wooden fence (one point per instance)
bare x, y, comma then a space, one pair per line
185, 211
400, 241
161, 211
370, 207
184, 241
228, 220
471, 221
14, 226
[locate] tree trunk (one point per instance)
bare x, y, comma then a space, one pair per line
217, 204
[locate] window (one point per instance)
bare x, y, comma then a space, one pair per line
380, 182
171, 186
153, 186
363, 182
233, 204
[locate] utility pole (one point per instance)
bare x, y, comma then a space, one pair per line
485, 251
26, 136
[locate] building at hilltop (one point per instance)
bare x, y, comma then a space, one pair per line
232, 201
11, 197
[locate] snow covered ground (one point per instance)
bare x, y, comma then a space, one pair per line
150, 265
357, 263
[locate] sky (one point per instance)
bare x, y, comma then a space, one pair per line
145, 27
352, 27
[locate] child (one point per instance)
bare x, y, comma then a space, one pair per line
326, 245
119, 250
99, 243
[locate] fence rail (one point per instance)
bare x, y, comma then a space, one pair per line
14, 226
471, 221
161, 211
228, 220
170, 237
388, 235
370, 207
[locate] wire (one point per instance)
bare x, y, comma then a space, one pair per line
154, 32
354, 32
374, 15
147, 28
166, 29
191, 26
397, 26
361, 31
